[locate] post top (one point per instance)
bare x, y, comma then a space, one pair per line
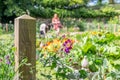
25, 16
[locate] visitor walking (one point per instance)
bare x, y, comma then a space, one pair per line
43, 30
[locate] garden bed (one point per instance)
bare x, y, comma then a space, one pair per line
90, 55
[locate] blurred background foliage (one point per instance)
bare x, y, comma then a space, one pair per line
9, 9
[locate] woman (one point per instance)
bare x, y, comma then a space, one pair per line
56, 23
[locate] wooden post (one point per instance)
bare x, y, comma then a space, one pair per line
6, 27
98, 26
88, 26
115, 27
105, 27
25, 39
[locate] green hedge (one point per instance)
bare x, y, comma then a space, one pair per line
82, 12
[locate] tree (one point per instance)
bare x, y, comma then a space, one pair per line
99, 2
2, 7
9, 9
41, 8
111, 1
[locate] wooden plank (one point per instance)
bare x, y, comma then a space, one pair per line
25, 39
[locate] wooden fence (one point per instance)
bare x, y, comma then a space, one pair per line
99, 26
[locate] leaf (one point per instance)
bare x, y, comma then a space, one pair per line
14, 49
89, 47
93, 68
99, 61
47, 76
109, 78
83, 74
117, 67
70, 76
54, 65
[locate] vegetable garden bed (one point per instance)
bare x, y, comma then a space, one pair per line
90, 55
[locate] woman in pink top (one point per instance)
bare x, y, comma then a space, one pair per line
56, 23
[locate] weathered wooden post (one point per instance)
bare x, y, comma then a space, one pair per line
25, 39
98, 26
88, 26
105, 27
6, 27
115, 25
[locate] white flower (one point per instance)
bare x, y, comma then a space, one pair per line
41, 45
84, 62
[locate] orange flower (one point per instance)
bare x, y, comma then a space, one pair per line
48, 43
52, 46
55, 45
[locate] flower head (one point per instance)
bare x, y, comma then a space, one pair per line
7, 57
84, 62
63, 36
8, 61
94, 33
67, 45
67, 50
52, 46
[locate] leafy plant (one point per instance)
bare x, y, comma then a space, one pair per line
99, 49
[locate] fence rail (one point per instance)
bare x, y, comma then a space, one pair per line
87, 26
98, 26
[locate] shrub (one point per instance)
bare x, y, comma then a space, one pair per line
81, 26
1, 30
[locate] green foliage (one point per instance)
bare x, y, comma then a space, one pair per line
88, 47
54, 3
114, 20
1, 31
6, 54
103, 58
108, 11
105, 38
46, 8
62, 12
81, 25
93, 67
87, 12
83, 74
42, 8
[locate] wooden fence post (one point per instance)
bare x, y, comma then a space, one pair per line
88, 27
105, 27
115, 25
6, 27
25, 39
98, 26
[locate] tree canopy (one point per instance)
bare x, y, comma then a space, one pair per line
9, 9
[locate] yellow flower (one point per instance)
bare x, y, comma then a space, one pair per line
119, 30
93, 33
